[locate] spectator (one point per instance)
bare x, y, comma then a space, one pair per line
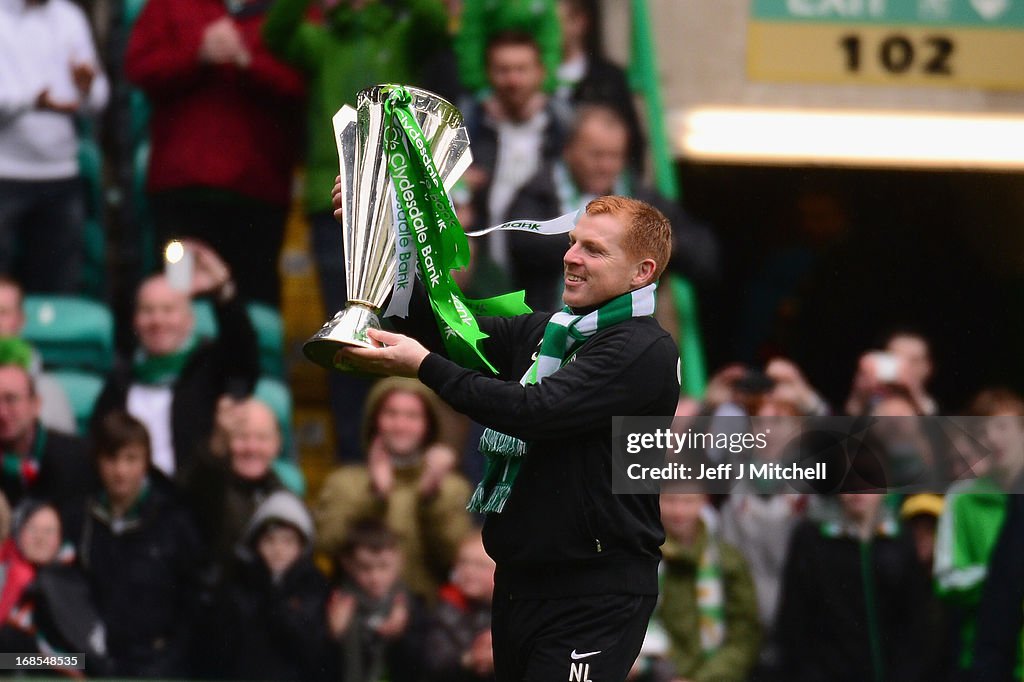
708, 606
139, 551
514, 132
458, 642
913, 352
974, 511
55, 410
224, 132
371, 616
593, 164
585, 76
853, 598
406, 482
920, 514
229, 480
911, 457
999, 642
51, 610
269, 619
483, 19
883, 374
760, 523
36, 461
49, 73
34, 541
175, 379
360, 43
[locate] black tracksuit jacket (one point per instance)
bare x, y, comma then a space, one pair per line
563, 532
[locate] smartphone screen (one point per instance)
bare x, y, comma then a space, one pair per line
887, 367
178, 262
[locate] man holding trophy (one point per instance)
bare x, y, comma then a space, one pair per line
576, 579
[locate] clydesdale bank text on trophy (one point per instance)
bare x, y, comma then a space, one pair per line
401, 150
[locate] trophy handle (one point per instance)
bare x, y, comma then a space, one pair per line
348, 328
457, 161
345, 137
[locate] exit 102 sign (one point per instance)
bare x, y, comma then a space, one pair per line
941, 43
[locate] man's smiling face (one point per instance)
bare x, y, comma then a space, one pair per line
597, 266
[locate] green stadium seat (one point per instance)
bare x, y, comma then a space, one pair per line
82, 389
291, 476
132, 10
278, 397
206, 323
270, 335
269, 332
70, 332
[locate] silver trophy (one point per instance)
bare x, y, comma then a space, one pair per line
368, 214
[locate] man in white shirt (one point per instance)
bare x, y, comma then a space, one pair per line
175, 378
514, 131
49, 73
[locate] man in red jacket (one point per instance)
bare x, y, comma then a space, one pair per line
225, 130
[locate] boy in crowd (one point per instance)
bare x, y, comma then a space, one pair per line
371, 614
271, 624
458, 643
139, 550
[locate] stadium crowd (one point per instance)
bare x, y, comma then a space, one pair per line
166, 533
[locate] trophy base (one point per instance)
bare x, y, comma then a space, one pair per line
347, 328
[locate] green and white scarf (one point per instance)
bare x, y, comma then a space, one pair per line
564, 334
710, 592
162, 370
710, 598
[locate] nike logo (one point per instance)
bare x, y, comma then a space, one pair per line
575, 656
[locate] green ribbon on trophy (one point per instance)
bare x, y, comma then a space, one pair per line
441, 244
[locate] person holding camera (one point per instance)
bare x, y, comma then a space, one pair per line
174, 379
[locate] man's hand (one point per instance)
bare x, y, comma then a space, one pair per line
476, 177
792, 387
210, 274
83, 75
46, 103
341, 607
378, 463
401, 355
222, 44
480, 656
438, 461
398, 618
720, 385
336, 198
228, 419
